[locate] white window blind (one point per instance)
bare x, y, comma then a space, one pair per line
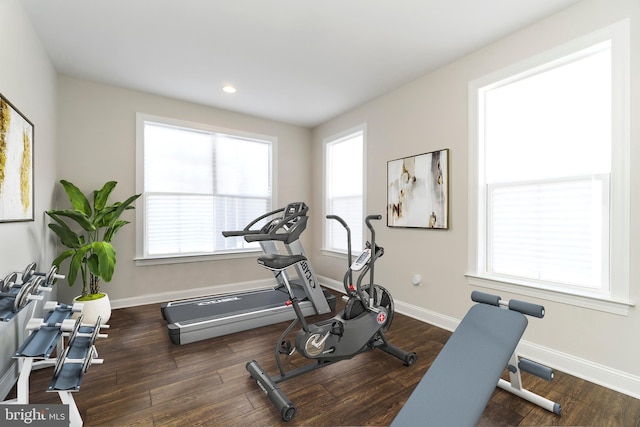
550, 231
198, 183
344, 184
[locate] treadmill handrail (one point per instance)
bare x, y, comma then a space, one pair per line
239, 233
273, 233
257, 235
247, 230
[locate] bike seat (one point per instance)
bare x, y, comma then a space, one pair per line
279, 262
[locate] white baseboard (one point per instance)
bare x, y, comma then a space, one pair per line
596, 373
192, 293
331, 284
427, 316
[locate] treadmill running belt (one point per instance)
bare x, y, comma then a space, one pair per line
222, 306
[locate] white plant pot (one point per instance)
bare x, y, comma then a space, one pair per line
94, 308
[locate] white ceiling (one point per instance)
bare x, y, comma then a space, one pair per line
296, 61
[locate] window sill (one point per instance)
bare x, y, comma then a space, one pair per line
337, 254
141, 261
600, 303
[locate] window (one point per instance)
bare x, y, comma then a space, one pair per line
344, 189
196, 182
549, 192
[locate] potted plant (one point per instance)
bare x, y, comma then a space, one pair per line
87, 230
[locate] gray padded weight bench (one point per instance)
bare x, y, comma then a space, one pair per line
458, 385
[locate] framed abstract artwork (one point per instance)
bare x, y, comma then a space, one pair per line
418, 191
16, 164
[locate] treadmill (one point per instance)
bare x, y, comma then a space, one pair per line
208, 317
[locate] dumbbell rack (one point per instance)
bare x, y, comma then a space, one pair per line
72, 361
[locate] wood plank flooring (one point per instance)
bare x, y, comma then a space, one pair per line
147, 381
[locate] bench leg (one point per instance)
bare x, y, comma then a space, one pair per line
23, 380
515, 387
75, 420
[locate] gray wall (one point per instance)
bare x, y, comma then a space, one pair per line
28, 81
431, 114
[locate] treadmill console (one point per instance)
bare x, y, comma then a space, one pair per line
294, 208
294, 211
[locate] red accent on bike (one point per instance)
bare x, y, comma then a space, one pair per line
288, 303
381, 318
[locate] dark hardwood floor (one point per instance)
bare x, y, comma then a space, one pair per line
147, 381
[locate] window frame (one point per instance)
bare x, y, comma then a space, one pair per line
335, 252
141, 259
617, 301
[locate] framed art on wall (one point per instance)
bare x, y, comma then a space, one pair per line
418, 191
16, 164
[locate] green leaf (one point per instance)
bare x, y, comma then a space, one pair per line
123, 206
92, 263
66, 236
100, 197
76, 263
64, 255
52, 214
79, 217
112, 213
56, 218
111, 231
106, 259
78, 200
111, 219
103, 217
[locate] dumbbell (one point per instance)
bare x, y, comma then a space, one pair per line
29, 271
25, 293
76, 307
49, 277
10, 281
12, 278
67, 325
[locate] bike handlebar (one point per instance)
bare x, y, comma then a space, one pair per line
368, 219
340, 220
348, 279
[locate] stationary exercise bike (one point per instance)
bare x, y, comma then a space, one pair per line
360, 327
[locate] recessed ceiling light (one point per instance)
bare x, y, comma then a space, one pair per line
229, 89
